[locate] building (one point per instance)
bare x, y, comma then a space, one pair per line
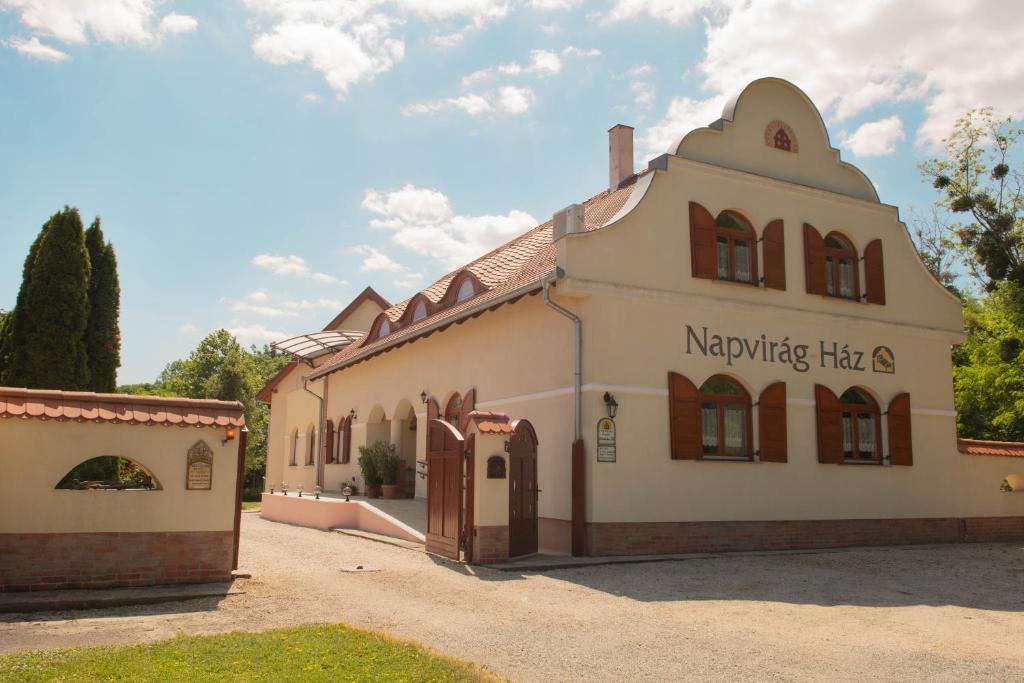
168, 513
735, 348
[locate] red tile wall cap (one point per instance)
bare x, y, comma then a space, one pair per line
86, 406
1012, 449
491, 423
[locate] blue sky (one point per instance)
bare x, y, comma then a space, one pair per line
257, 163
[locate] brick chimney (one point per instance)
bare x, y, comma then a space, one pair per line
620, 155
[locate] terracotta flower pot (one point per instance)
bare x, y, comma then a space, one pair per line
373, 492
390, 491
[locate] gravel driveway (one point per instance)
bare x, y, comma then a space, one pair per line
933, 612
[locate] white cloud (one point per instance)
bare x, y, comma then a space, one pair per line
571, 51
310, 98
683, 115
176, 24
875, 138
37, 50
643, 93
315, 304
642, 69
542, 64
549, 29
187, 328
258, 296
409, 281
554, 5
508, 99
854, 56
376, 260
259, 302
112, 21
255, 333
422, 220
280, 264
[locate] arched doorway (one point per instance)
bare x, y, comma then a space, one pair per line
445, 446
522, 490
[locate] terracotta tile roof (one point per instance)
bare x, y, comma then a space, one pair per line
1012, 449
491, 423
513, 267
84, 406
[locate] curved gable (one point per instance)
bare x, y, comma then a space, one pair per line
773, 129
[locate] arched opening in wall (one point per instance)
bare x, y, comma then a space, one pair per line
862, 426
310, 444
725, 418
404, 428
842, 278
453, 409
293, 450
1012, 483
378, 427
108, 472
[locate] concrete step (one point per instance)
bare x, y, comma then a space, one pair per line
100, 598
380, 538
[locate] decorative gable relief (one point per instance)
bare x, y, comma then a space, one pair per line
779, 135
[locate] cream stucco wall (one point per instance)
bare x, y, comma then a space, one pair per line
36, 455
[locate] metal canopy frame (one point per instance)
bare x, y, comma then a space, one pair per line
309, 347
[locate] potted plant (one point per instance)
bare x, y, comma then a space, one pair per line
389, 463
369, 465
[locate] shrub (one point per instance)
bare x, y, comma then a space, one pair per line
378, 463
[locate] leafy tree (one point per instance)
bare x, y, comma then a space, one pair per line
46, 349
977, 182
102, 333
988, 371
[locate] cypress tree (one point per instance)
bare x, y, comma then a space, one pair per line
102, 334
12, 335
48, 350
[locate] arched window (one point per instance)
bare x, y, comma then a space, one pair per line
841, 277
725, 418
420, 312
781, 140
466, 291
293, 458
385, 329
108, 472
735, 248
311, 445
861, 426
452, 410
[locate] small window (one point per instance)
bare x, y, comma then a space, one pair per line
293, 458
453, 410
735, 256
841, 273
108, 472
466, 291
861, 427
385, 329
782, 140
311, 445
725, 418
420, 312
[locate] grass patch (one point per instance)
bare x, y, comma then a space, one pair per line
308, 653
251, 504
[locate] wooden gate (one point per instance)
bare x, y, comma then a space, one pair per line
522, 491
445, 447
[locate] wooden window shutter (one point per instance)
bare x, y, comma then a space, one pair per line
771, 422
830, 426
346, 441
814, 260
329, 445
774, 250
684, 418
900, 449
702, 241
874, 273
468, 406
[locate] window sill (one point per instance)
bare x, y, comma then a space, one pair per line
727, 458
861, 462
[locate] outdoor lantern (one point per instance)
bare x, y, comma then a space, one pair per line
423, 397
284, 488
352, 415
299, 489
611, 404
271, 489
346, 491
316, 491
228, 435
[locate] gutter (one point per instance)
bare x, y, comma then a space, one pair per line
319, 429
577, 358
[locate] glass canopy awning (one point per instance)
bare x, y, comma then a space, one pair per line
309, 347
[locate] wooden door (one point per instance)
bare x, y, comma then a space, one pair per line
522, 491
444, 489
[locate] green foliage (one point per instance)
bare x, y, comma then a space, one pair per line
222, 369
988, 371
46, 348
378, 463
109, 471
102, 333
308, 653
977, 179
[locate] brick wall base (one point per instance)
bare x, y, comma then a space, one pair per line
106, 560
658, 538
490, 544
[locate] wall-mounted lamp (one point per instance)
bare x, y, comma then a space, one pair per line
611, 404
423, 396
228, 435
352, 415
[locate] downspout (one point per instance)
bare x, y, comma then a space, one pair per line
578, 504
319, 428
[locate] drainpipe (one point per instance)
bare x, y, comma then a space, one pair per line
578, 505
319, 428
